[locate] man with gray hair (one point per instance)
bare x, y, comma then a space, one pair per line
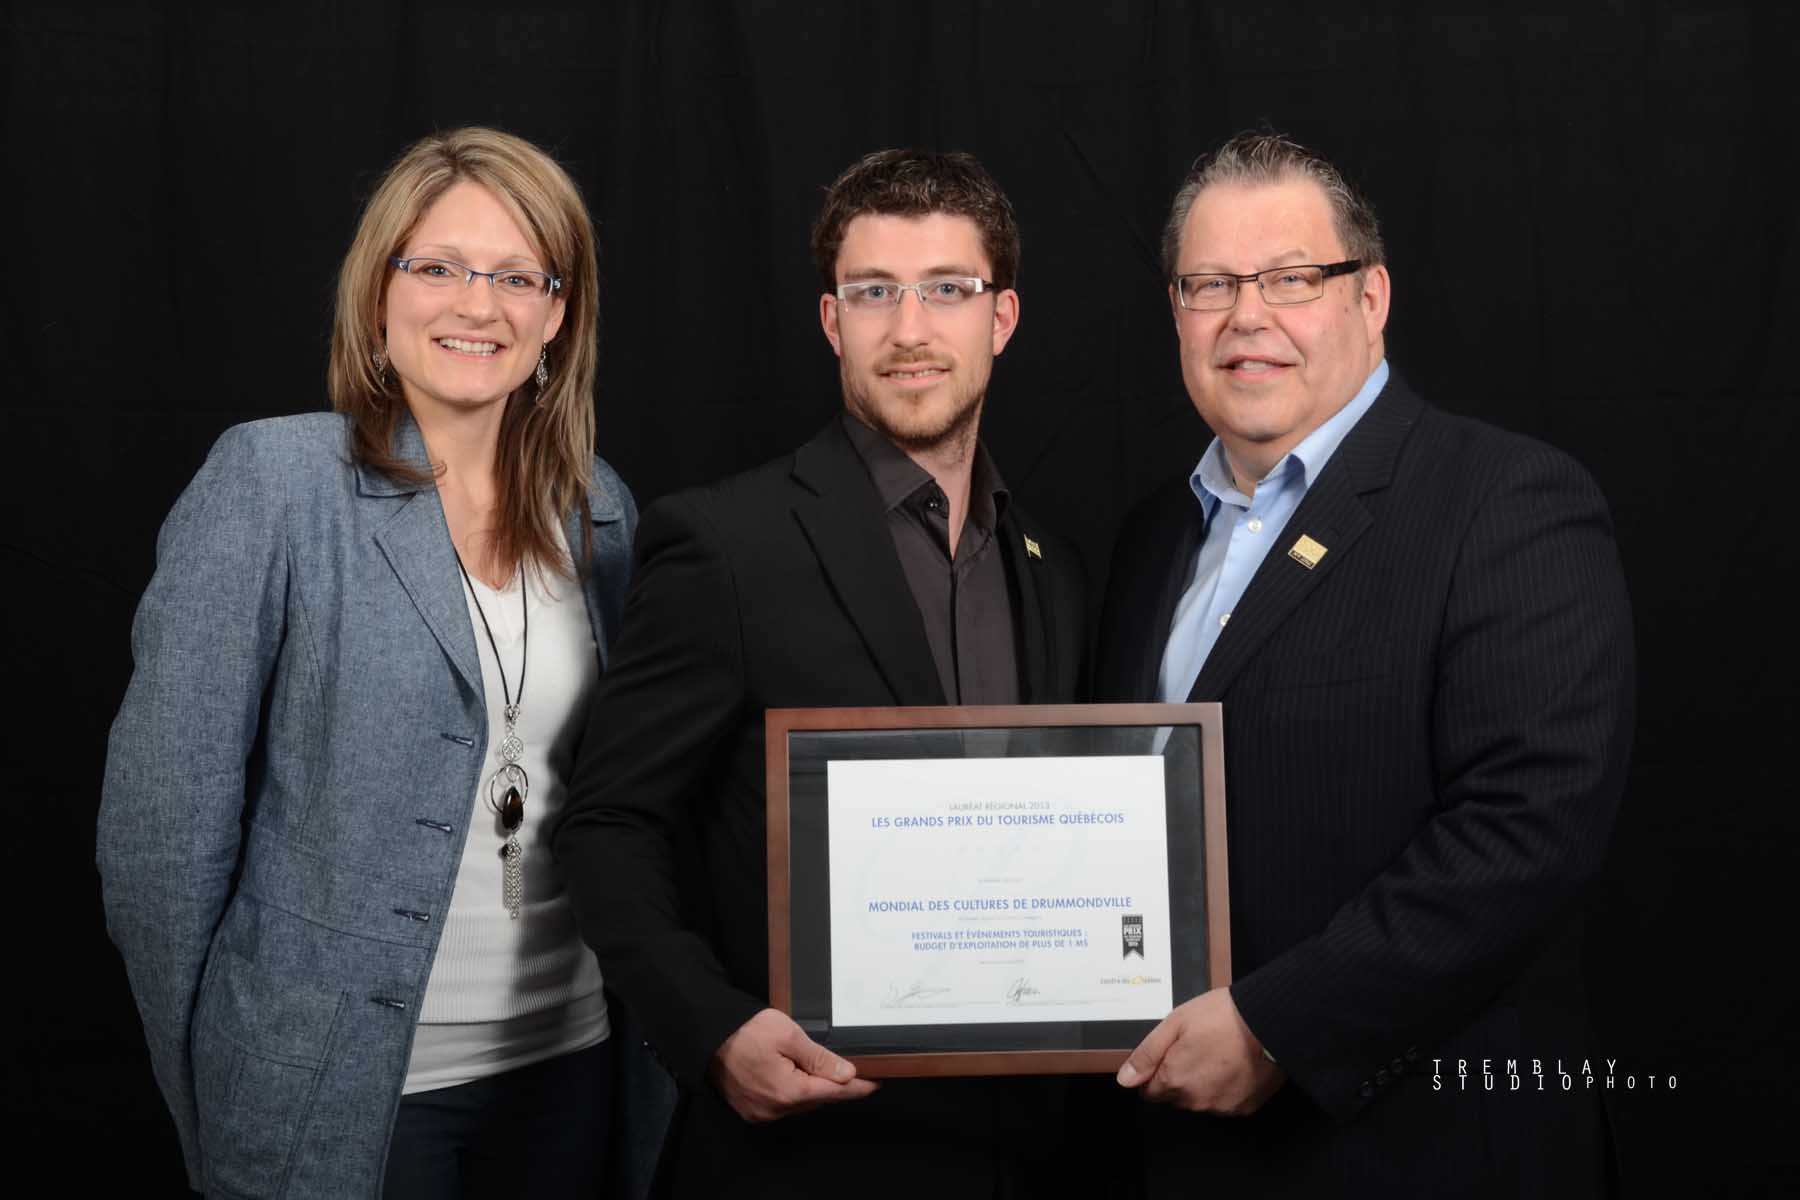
1418, 627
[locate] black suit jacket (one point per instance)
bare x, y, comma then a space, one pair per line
1426, 736
776, 588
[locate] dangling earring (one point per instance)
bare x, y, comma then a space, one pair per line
380, 361
542, 375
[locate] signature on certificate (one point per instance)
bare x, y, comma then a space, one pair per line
901, 996
1020, 990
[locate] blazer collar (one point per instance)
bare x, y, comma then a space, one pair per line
843, 520
603, 506
1371, 449
409, 445
1333, 516
416, 542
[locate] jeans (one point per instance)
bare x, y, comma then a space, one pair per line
536, 1133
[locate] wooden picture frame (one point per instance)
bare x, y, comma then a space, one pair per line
800, 743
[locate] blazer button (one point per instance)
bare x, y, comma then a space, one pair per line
1412, 1054
1381, 1078
1398, 1066
1367, 1090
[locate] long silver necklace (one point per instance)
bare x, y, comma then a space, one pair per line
508, 787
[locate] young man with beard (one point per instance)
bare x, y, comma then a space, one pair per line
882, 563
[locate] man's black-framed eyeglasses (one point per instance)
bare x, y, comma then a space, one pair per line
1279, 285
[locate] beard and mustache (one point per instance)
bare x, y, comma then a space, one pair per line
934, 426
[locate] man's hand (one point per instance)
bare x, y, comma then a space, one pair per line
1205, 1059
770, 1069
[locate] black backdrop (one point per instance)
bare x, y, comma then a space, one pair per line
1592, 221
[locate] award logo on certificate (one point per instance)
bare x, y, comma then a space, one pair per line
994, 890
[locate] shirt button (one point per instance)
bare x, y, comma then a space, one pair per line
1224, 620
1255, 525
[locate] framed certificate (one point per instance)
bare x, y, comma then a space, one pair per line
994, 890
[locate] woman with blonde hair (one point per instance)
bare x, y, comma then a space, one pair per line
361, 671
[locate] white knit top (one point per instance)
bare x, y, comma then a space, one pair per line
504, 993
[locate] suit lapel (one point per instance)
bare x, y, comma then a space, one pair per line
842, 519
1036, 614
416, 542
1333, 516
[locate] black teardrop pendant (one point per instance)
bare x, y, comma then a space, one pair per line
512, 810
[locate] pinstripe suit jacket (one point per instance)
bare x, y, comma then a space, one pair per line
1426, 738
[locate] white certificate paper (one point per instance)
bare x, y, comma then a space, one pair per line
983, 890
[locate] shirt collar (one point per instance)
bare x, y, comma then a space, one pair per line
897, 478
1211, 479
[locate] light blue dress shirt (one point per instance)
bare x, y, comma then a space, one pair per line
1240, 530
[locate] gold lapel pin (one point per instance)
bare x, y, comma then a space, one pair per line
1032, 549
1306, 552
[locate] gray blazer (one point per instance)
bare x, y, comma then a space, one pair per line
286, 789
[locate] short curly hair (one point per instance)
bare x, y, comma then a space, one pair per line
914, 183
